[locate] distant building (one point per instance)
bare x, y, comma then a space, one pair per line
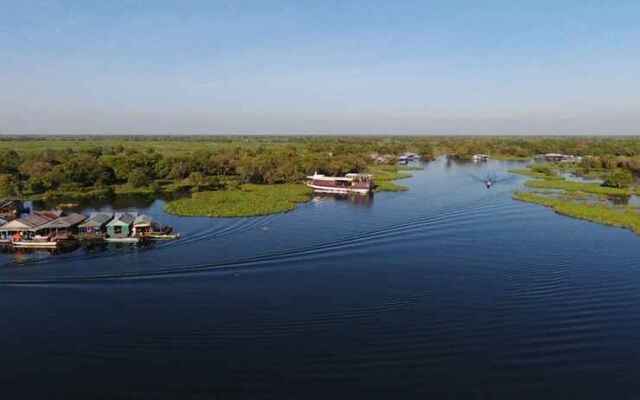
557, 157
382, 158
480, 157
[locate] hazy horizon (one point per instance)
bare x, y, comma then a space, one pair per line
336, 68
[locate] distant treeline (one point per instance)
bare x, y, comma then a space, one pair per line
208, 164
34, 165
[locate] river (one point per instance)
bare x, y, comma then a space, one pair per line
449, 289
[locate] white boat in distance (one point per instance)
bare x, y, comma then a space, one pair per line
350, 183
480, 157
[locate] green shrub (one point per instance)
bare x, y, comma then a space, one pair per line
619, 178
137, 179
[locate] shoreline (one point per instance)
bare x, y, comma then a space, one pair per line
568, 205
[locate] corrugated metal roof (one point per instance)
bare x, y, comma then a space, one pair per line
8, 203
126, 218
64, 222
97, 219
31, 221
143, 220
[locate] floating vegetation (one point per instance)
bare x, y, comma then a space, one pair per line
577, 187
533, 174
249, 200
627, 217
578, 199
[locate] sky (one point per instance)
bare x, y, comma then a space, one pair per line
320, 67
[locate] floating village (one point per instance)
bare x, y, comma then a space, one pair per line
55, 229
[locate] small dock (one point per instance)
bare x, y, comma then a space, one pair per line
35, 244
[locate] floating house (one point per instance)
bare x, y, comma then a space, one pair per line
142, 225
350, 183
121, 226
61, 228
95, 226
27, 226
10, 209
53, 229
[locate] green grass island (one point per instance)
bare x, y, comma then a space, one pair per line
582, 200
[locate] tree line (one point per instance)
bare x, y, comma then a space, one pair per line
136, 166
213, 162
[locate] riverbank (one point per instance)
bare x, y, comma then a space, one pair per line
627, 218
385, 177
568, 186
583, 200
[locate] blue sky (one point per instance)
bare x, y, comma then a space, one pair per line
337, 67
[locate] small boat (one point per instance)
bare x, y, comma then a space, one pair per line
488, 183
145, 227
480, 157
162, 236
50, 241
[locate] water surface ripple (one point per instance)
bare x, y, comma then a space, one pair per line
448, 289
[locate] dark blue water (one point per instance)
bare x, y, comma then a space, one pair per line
448, 289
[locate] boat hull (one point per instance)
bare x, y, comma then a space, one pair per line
123, 240
338, 190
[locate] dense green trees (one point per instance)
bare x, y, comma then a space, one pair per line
60, 170
39, 166
619, 178
8, 186
138, 178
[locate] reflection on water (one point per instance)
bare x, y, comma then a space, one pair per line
359, 200
447, 288
23, 254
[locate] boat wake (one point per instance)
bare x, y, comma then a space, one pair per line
448, 220
236, 227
